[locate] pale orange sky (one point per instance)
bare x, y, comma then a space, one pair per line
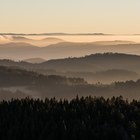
73, 16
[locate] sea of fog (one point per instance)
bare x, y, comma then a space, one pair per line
78, 38
91, 38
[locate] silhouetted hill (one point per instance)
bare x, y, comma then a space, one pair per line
64, 87
103, 61
63, 65
70, 65
34, 60
104, 77
113, 61
90, 63
9, 58
21, 64
21, 77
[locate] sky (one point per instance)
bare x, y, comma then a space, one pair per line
70, 16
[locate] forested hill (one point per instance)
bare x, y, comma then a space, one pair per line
91, 63
7, 62
62, 65
80, 119
20, 77
128, 85
104, 77
103, 61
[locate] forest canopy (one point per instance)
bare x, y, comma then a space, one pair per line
80, 119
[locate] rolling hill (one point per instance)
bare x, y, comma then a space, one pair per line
90, 63
34, 60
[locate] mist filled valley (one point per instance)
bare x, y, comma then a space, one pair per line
97, 83
20, 48
69, 70
48, 66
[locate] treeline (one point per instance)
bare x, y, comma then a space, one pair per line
21, 77
128, 85
8, 95
70, 91
80, 119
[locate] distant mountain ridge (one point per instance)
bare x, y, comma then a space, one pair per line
70, 49
116, 42
55, 34
16, 45
43, 42
21, 50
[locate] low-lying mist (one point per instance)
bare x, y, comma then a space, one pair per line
20, 83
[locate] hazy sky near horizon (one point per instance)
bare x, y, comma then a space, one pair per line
70, 16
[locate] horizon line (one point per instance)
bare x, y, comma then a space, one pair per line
54, 34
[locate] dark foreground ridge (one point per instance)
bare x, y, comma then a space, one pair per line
80, 119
